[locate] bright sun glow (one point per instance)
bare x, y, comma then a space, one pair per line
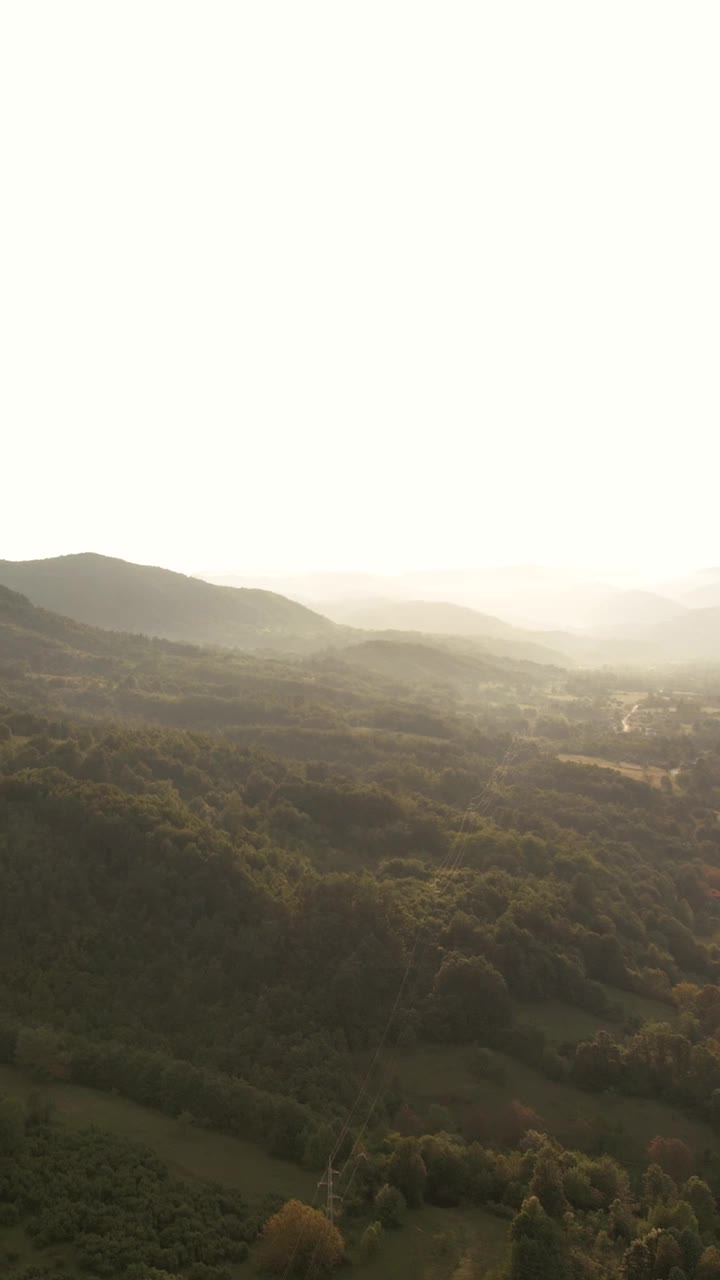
381, 286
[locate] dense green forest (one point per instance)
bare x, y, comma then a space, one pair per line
450, 916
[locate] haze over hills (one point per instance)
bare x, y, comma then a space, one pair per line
115, 594
706, 596
528, 596
438, 617
686, 588
630, 626
53, 663
120, 596
568, 616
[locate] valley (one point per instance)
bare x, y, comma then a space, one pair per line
229, 875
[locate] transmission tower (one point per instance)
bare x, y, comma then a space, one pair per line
332, 1196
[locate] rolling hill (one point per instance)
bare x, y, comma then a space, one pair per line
695, 636
53, 663
434, 617
440, 622
706, 596
120, 596
411, 660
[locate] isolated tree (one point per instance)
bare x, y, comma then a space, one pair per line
539, 1247
297, 1238
597, 1063
370, 1241
318, 1146
681, 1218
547, 1185
702, 1201
406, 1170
657, 1187
673, 1155
389, 1206
668, 1254
185, 1122
692, 1248
446, 1169
637, 1263
469, 1000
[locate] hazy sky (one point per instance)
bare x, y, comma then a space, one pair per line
360, 285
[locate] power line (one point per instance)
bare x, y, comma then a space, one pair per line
332, 1196
478, 806
452, 862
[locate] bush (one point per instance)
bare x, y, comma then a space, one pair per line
370, 1242
485, 1065
390, 1205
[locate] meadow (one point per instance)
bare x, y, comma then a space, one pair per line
188, 1150
649, 773
439, 1079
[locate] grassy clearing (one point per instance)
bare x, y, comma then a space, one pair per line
640, 772
190, 1153
565, 1022
644, 1007
442, 1076
428, 1247
433, 1241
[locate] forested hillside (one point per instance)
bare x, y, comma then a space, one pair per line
358, 902
115, 594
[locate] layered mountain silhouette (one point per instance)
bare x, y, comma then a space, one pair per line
628, 626
120, 596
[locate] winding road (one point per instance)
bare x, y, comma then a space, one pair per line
626, 726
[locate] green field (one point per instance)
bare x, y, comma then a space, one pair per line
440, 1075
433, 1241
565, 1022
643, 1007
562, 1022
190, 1152
649, 773
429, 1245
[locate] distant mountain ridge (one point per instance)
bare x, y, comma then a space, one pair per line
529, 597
116, 595
120, 596
416, 661
434, 617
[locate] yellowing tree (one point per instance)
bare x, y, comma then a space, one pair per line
298, 1236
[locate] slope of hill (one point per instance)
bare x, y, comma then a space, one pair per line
294, 703
120, 596
622, 609
693, 636
218, 926
448, 602
435, 617
439, 622
415, 661
683, 588
705, 596
46, 639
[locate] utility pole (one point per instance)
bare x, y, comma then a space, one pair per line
332, 1196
